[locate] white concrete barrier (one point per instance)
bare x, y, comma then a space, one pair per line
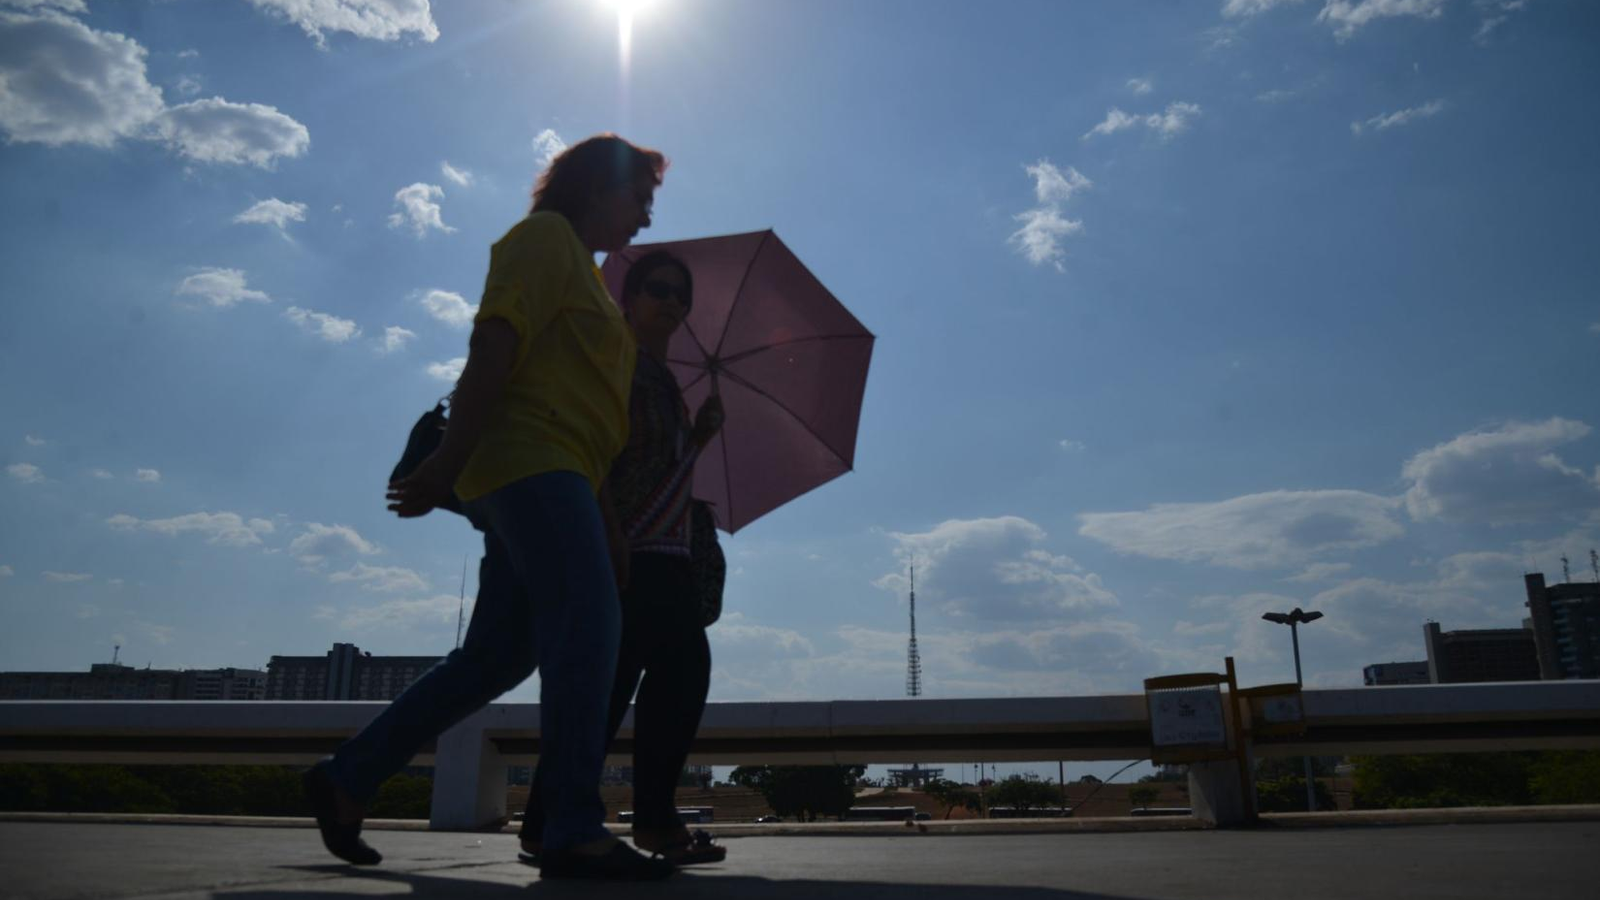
469, 785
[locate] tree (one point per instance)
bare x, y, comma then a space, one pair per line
1443, 780
1288, 794
1024, 792
803, 791
1566, 776
950, 795
1142, 795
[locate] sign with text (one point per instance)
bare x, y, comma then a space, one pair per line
1187, 717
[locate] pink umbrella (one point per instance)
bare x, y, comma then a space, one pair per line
788, 359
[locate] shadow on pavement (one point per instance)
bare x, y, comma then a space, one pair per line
418, 886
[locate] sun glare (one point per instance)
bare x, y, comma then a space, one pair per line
627, 11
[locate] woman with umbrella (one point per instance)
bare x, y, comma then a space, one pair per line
663, 654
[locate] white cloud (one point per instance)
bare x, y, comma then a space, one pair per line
461, 177
218, 131
419, 209
1141, 86
1071, 446
188, 85
1051, 185
27, 473
994, 569
147, 475
1502, 475
385, 579
395, 339
1044, 227
382, 20
318, 542
438, 610
1320, 572
448, 371
449, 307
62, 82
548, 145
101, 474
66, 577
1346, 16
6, 572
273, 212
1169, 122
1385, 121
220, 287
330, 328
1237, 8
34, 440
1495, 13
1273, 529
86, 611
66, 6
225, 528
1276, 95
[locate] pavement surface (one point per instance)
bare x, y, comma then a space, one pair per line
1551, 860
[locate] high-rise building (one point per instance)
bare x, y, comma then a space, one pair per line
344, 673
1491, 654
1566, 627
1396, 673
113, 681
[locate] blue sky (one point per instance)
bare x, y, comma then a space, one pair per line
1186, 312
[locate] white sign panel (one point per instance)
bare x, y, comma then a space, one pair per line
1187, 717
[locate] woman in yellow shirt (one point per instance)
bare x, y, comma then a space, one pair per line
540, 412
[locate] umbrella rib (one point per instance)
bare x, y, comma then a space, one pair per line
739, 293
792, 414
746, 354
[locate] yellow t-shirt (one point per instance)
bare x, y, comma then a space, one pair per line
565, 406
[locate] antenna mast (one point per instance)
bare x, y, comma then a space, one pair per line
115, 649
1566, 570
913, 659
461, 611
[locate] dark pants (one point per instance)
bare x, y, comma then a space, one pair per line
665, 657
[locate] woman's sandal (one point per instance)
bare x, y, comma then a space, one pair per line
620, 863
698, 849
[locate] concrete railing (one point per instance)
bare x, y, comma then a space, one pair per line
471, 759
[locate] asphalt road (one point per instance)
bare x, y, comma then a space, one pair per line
1552, 860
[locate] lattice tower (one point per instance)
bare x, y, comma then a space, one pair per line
913, 659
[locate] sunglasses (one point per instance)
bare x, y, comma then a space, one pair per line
662, 290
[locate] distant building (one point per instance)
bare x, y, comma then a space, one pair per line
914, 777
1396, 673
344, 673
1565, 619
1492, 654
112, 681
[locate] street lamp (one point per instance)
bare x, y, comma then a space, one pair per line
1294, 619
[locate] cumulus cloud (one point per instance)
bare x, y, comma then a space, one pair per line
330, 328
438, 610
27, 473
272, 212
384, 579
395, 339
1385, 121
1043, 227
419, 209
449, 370
548, 145
220, 287
66, 577
1167, 123
318, 542
1277, 528
381, 20
1501, 476
994, 569
461, 177
1345, 17
449, 307
1141, 86
224, 528
218, 131
1239, 8
149, 476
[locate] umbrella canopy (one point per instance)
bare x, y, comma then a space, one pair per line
789, 361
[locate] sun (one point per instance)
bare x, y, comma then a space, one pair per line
627, 11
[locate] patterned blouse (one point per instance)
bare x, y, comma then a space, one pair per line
652, 478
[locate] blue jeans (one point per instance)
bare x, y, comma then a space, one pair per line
547, 598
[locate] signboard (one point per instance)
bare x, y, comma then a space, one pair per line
1187, 717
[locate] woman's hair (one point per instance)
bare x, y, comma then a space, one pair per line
648, 263
596, 164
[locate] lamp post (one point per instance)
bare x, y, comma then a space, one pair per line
1294, 619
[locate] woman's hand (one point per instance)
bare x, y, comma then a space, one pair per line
430, 485
708, 421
